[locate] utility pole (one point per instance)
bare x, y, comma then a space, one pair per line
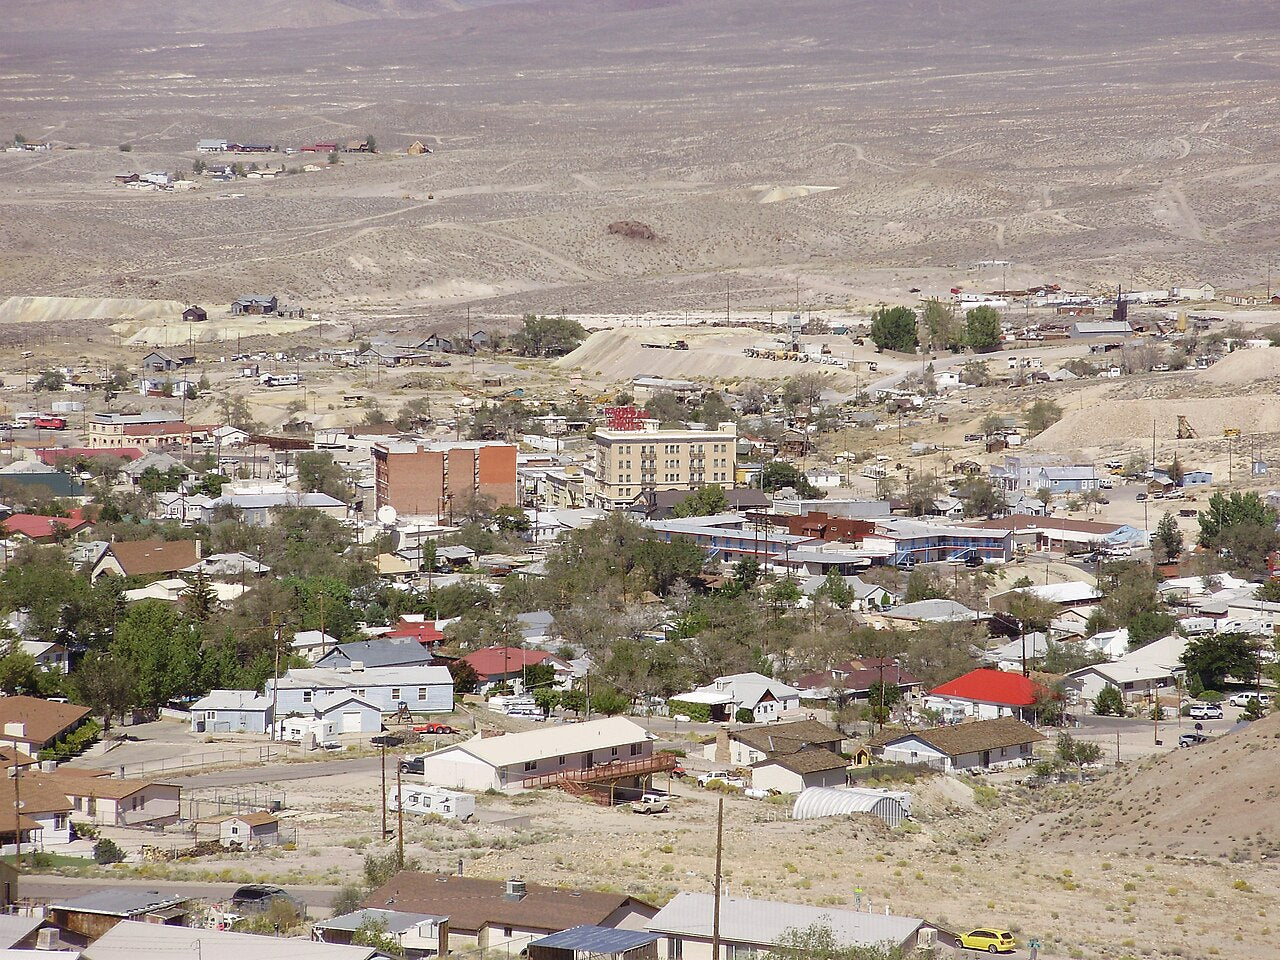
275, 681
715, 912
384, 788
17, 815
399, 822
726, 301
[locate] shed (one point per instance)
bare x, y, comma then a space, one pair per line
818, 802
244, 831
588, 942
796, 772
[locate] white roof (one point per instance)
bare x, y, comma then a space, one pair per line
765, 922
14, 928
935, 611
745, 689
551, 741
1159, 659
232, 700
1071, 591
131, 939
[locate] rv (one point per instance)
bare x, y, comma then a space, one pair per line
449, 804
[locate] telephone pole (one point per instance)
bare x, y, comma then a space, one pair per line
715, 912
384, 789
399, 821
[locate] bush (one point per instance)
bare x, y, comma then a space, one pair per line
85, 831
1109, 702
74, 743
107, 851
697, 712
1211, 696
745, 715
126, 148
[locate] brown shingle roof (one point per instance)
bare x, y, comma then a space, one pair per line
144, 557
813, 760
974, 737
792, 737
103, 788
471, 903
43, 720
39, 796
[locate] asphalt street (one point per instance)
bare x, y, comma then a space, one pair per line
282, 772
51, 888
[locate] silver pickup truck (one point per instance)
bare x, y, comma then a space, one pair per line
652, 803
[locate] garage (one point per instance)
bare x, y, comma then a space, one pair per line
352, 721
353, 715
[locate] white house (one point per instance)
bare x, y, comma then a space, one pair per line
48, 655
962, 746
752, 928
231, 711
794, 772
351, 714
421, 689
1138, 674
246, 831
505, 762
766, 698
313, 644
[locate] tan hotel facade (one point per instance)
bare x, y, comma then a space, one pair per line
631, 463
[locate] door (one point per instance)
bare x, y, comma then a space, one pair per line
351, 721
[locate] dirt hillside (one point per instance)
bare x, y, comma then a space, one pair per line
1214, 800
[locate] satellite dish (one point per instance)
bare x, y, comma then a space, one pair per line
387, 515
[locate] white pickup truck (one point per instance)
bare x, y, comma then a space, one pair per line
723, 776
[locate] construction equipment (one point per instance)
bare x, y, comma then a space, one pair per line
1185, 430
1231, 433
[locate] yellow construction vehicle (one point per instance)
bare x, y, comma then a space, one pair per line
1231, 433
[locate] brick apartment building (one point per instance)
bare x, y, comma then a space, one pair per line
635, 463
424, 479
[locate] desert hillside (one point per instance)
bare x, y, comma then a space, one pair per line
1214, 800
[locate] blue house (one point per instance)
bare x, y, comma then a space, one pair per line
1197, 478
311, 690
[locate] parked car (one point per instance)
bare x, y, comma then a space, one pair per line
724, 776
412, 765
973, 560
1205, 711
988, 939
1192, 739
1242, 699
652, 803
1140, 497
388, 740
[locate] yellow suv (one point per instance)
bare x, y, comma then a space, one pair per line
992, 941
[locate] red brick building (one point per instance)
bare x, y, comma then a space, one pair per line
427, 479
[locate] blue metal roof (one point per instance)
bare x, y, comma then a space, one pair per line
596, 939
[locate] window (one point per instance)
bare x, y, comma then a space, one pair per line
635, 749
677, 948
395, 694
211, 715
613, 751
306, 696
234, 830
529, 765
422, 693
60, 822
359, 693
562, 759
506, 931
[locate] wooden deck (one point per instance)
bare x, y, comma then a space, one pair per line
604, 773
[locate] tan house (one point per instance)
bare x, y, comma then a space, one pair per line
29, 724
147, 558
506, 915
98, 798
243, 831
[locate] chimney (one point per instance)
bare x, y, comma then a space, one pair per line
515, 890
357, 666
722, 745
47, 939
199, 550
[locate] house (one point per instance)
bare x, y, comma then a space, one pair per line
158, 362
44, 815
901, 540
91, 916
424, 632
794, 772
496, 666
231, 711
194, 314
112, 801
853, 681
304, 691
950, 507
767, 699
228, 566
156, 462
313, 644
39, 528
49, 655
242, 831
254, 306
751, 744
432, 801
211, 146
506, 762
986, 694
323, 724
417, 149
415, 934
155, 940
937, 610
505, 916
962, 746
590, 942
1139, 674
31, 724
146, 558
377, 652
756, 927
228, 436
259, 509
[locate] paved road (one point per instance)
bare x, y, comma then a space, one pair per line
49, 888
282, 772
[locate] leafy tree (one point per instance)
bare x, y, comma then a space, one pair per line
894, 328
51, 380
107, 851
609, 702
836, 591
1109, 702
1168, 540
714, 410
941, 331
234, 411
819, 942
548, 336
106, 684
318, 473
777, 475
1253, 710
19, 672
199, 602
703, 502
1148, 626
975, 373
575, 700
414, 414
347, 900
982, 329
162, 652
922, 586
803, 390
922, 493
333, 157
547, 699
1213, 658
980, 496
746, 572
373, 148
465, 678
1070, 751
1175, 470
1226, 511
1042, 415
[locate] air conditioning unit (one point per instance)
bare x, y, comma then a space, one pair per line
926, 938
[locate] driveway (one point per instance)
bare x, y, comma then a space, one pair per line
51, 888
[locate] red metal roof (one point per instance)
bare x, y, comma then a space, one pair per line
499, 661
52, 456
991, 686
36, 526
424, 633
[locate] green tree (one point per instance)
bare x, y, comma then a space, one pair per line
1231, 510
1213, 658
609, 702
19, 672
777, 475
575, 700
318, 473
938, 320
894, 328
975, 373
465, 678
819, 942
982, 329
548, 336
106, 684
1042, 415
1168, 541
546, 699
1109, 702
744, 715
746, 572
371, 143
346, 900
162, 652
703, 502
51, 381
1070, 751
199, 602
980, 496
836, 591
